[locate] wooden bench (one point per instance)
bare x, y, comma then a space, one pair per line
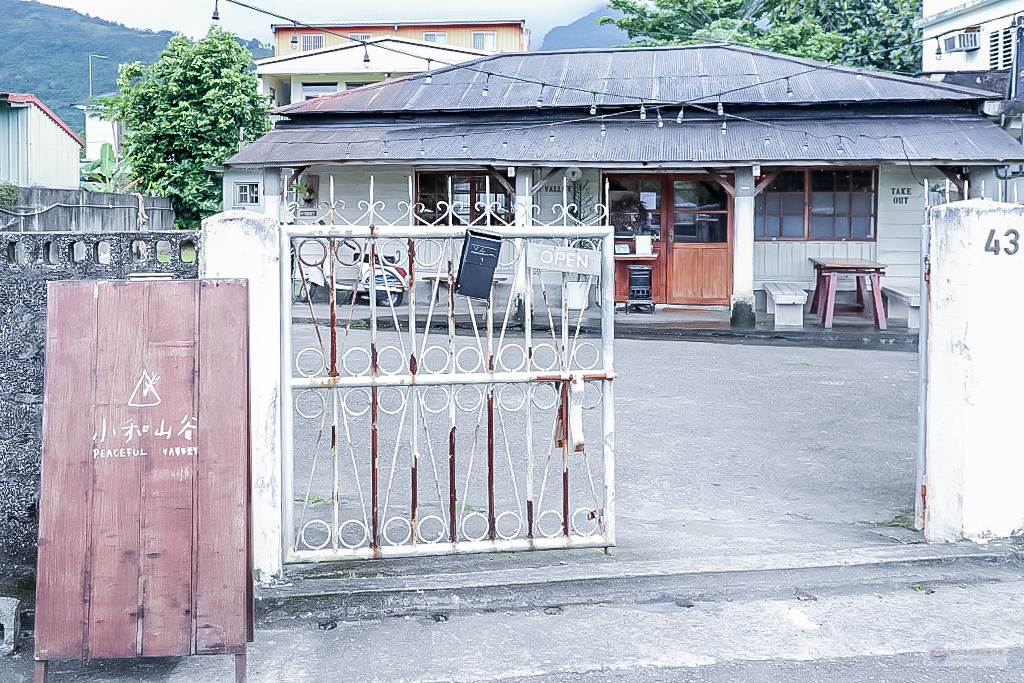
786, 302
904, 302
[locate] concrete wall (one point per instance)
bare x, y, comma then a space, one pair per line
975, 466
45, 209
27, 263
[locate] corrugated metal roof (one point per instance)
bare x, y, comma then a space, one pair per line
701, 74
854, 139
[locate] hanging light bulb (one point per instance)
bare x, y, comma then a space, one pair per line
603, 132
465, 148
423, 149
386, 151
721, 109
429, 78
504, 145
661, 123
540, 97
767, 138
789, 88
805, 142
366, 55
483, 93
295, 36
723, 127
679, 116
938, 49
551, 137
216, 14
593, 105
839, 147
643, 112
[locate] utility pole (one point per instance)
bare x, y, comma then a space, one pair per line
90, 70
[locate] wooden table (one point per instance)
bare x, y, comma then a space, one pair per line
827, 272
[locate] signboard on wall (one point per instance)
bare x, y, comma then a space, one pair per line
143, 535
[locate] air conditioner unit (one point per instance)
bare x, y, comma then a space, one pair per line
965, 41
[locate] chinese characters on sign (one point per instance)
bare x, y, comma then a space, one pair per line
113, 439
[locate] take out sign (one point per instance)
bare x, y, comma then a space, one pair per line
567, 259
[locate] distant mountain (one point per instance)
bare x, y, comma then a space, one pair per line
45, 50
584, 32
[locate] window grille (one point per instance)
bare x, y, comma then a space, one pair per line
247, 193
312, 42
485, 40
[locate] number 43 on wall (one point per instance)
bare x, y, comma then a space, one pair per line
992, 243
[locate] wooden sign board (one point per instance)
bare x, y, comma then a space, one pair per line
566, 259
144, 541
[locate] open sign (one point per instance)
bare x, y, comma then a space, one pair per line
567, 259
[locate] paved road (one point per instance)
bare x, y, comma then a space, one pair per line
729, 456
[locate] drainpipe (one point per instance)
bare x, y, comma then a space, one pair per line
922, 371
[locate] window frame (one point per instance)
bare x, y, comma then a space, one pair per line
309, 38
667, 199
493, 34
476, 176
808, 191
444, 34
359, 37
252, 192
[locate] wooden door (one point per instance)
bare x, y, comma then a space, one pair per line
699, 263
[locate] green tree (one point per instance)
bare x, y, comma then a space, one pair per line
856, 32
187, 111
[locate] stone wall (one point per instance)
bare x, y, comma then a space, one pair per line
40, 208
28, 261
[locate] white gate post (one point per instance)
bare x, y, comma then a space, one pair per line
243, 244
974, 402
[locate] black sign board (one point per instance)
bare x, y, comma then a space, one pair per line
477, 264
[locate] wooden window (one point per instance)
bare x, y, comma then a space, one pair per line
635, 206
485, 40
842, 204
466, 191
247, 193
312, 42
817, 204
779, 211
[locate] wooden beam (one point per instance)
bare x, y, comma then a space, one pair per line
953, 176
501, 179
772, 175
720, 179
539, 186
295, 176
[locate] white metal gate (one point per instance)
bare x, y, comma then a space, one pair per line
429, 423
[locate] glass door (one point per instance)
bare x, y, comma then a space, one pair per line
700, 262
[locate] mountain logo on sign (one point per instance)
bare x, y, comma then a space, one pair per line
144, 395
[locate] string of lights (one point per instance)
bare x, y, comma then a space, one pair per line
619, 111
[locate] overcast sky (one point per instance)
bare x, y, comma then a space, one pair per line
192, 17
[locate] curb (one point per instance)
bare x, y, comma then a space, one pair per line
307, 600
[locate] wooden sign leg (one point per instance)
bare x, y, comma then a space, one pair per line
240, 668
40, 675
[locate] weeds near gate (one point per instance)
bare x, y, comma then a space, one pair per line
466, 507
904, 519
802, 362
314, 500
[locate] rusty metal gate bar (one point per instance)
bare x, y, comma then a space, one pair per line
366, 387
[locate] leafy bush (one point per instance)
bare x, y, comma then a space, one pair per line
8, 195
